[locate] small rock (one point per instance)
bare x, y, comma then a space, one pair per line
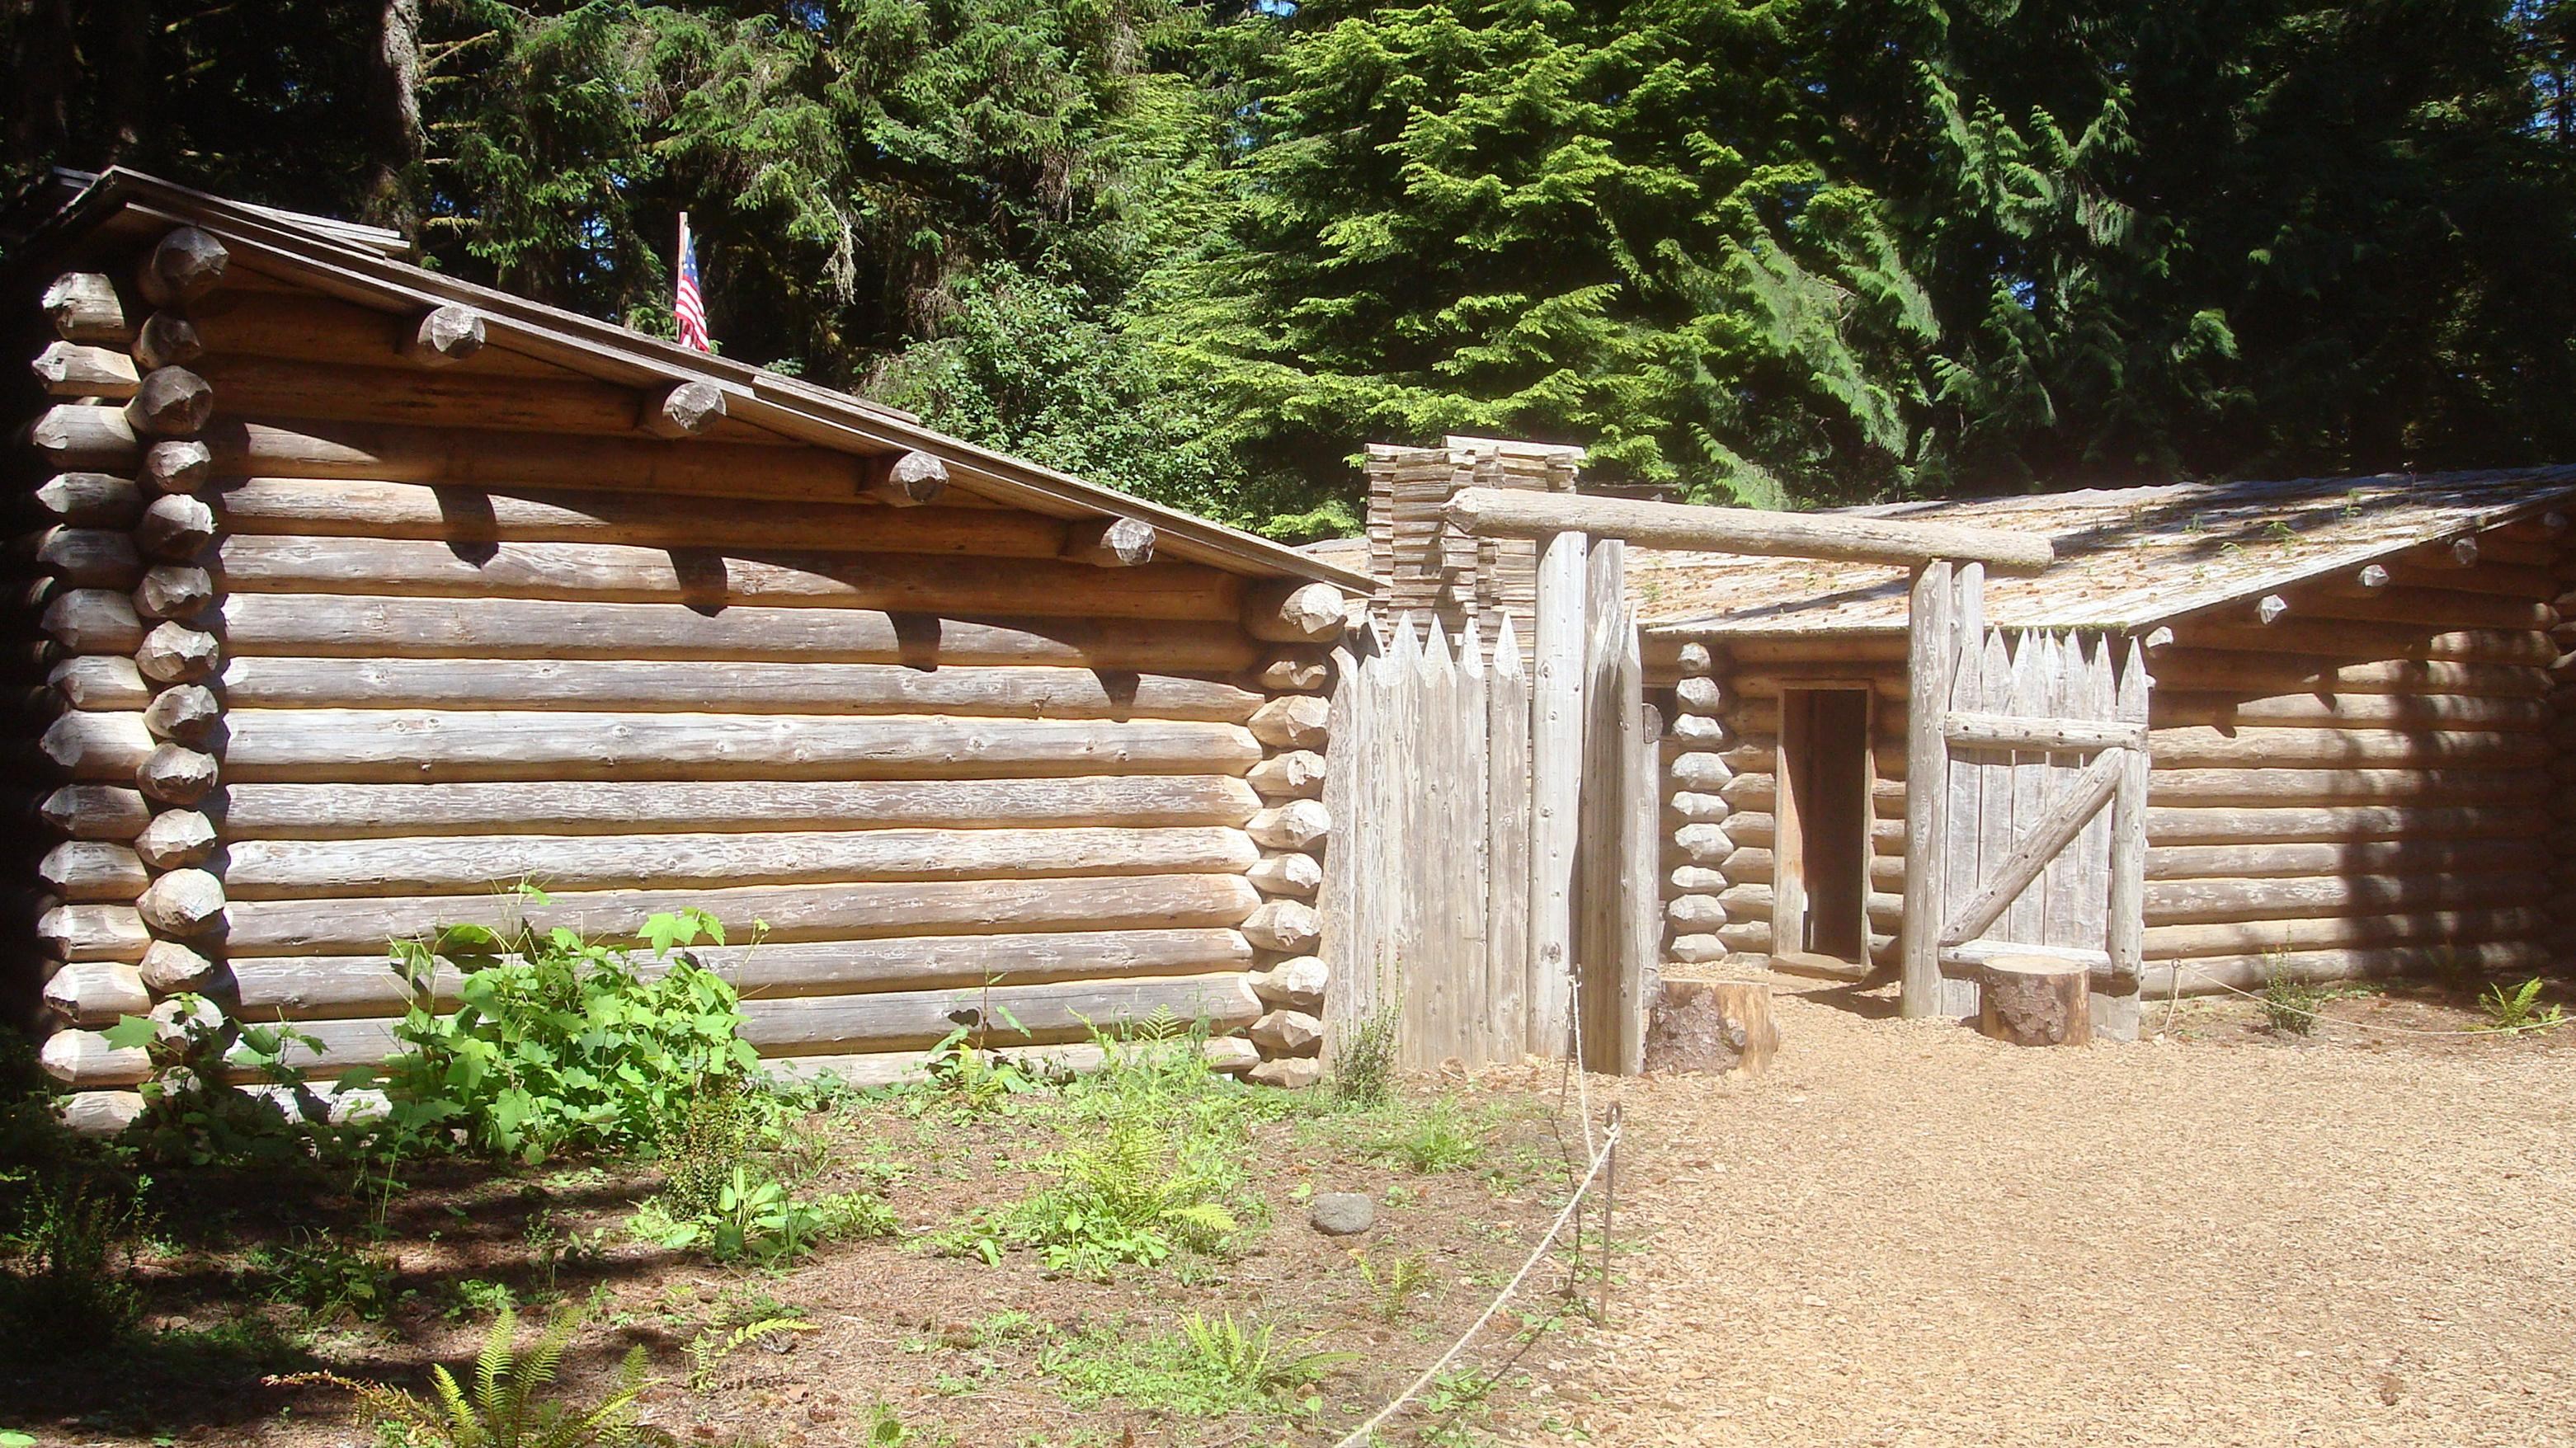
1341, 1214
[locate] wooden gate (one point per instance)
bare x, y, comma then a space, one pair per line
2039, 839
1494, 835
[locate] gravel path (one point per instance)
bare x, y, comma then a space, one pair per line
1907, 1234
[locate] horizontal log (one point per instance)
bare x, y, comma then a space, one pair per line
84, 1061
1887, 687
178, 465
424, 746
472, 457
1760, 791
1046, 1013
766, 688
342, 507
98, 747
2510, 580
2210, 788
617, 573
282, 624
1756, 902
1293, 611
2432, 608
1293, 721
167, 339
84, 307
339, 987
1510, 513
2335, 638
2168, 826
2382, 711
183, 266
2255, 937
879, 1069
95, 993
77, 369
92, 500
2181, 902
1969, 729
369, 811
793, 912
2182, 670
2219, 974
2200, 747
2363, 857
314, 328
96, 811
94, 932
86, 437
402, 393
100, 682
302, 870
83, 871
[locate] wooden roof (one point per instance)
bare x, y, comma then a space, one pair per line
2128, 558
364, 265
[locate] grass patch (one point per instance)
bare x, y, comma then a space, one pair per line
1205, 1368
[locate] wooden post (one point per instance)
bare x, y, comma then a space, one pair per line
2128, 920
1556, 787
1932, 647
1712, 1026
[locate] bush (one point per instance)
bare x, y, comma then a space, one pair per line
563, 1042
69, 1239
2290, 1004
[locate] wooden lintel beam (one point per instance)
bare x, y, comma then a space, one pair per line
1510, 513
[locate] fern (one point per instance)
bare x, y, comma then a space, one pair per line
712, 1346
507, 1407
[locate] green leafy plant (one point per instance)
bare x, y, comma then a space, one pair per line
1440, 1138
328, 1278
709, 1349
508, 1406
69, 1239
2289, 1003
1207, 1368
563, 1042
965, 1072
196, 1117
1364, 1058
2517, 1010
1396, 1283
757, 1215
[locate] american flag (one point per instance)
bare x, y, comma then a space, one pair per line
688, 306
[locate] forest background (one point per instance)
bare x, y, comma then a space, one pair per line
1785, 252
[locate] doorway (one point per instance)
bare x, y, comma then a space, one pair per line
1820, 889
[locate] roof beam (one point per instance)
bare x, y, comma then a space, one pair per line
1512, 513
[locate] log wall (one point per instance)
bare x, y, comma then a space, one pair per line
2369, 785
344, 632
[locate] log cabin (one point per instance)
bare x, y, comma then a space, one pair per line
345, 593
2355, 695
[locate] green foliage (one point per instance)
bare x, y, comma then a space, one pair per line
2290, 1004
1396, 1283
2517, 1009
724, 1193
509, 1405
329, 1278
66, 1242
561, 1042
1439, 1138
713, 1345
1209, 1368
1364, 1056
195, 1117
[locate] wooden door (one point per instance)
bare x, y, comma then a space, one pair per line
1820, 886
2042, 821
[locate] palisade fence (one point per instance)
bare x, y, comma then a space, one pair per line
1434, 874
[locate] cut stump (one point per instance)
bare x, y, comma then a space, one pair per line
2034, 1001
1711, 1025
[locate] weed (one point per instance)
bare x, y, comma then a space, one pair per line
2289, 1003
2514, 1010
1121, 1199
563, 1042
885, 1425
508, 1407
757, 1215
330, 1279
709, 1349
550, 1246
1364, 1059
717, 1131
1440, 1138
1396, 1283
474, 1297
1207, 1369
73, 1234
964, 1070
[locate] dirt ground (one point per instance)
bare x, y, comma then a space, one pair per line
1907, 1234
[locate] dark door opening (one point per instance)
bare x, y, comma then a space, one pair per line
1821, 869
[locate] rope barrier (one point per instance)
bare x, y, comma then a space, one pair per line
1360, 1434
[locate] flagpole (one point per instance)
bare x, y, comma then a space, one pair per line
684, 242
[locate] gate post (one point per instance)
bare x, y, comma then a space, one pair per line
1930, 652
1556, 786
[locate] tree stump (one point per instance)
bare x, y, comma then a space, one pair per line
2032, 1000
1711, 1025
